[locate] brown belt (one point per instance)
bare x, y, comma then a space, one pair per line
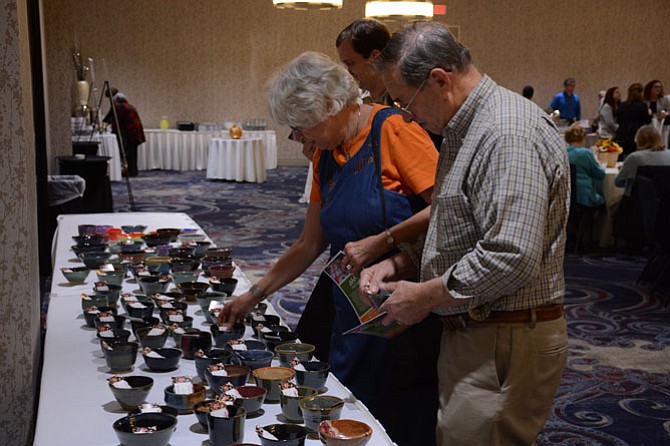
532, 315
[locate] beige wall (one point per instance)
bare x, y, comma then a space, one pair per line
19, 276
207, 60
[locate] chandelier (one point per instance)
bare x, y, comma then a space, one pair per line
394, 9
304, 5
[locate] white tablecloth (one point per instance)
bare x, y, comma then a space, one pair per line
612, 195
76, 406
109, 146
178, 150
236, 159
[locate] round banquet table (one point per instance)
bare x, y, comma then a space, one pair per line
236, 159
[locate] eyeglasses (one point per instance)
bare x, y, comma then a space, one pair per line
407, 115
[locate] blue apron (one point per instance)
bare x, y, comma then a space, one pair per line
385, 374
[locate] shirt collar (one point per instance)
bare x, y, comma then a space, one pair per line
460, 123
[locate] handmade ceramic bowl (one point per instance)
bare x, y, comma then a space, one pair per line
344, 433
111, 337
186, 264
129, 399
133, 228
112, 292
314, 375
129, 246
193, 290
169, 361
94, 260
153, 337
290, 405
154, 284
221, 271
201, 410
121, 357
181, 252
236, 345
222, 335
172, 233
235, 374
134, 256
155, 408
91, 313
116, 321
128, 299
92, 300
285, 434
219, 252
275, 338
165, 425
205, 358
224, 285
271, 378
76, 275
88, 248
184, 276
287, 352
252, 398
167, 308
194, 340
318, 408
200, 246
254, 359
265, 320
205, 300
184, 403
189, 237
140, 310
158, 264
142, 323
226, 430
155, 239
87, 230
93, 239
113, 277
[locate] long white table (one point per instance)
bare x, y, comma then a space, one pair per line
179, 150
75, 405
236, 159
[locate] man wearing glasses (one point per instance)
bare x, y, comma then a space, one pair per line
491, 264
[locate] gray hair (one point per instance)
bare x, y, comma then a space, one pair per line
309, 89
421, 46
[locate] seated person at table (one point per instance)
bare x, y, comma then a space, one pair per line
396, 378
650, 152
588, 171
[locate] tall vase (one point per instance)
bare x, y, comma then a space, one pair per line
83, 89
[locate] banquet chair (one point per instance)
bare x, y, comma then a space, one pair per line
654, 199
580, 218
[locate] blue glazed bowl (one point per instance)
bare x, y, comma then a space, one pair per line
222, 335
255, 359
129, 399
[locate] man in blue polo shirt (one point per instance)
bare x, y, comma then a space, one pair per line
567, 102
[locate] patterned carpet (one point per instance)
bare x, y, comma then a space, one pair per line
616, 386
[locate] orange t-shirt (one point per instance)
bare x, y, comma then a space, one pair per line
409, 158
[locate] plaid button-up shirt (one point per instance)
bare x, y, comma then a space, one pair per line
502, 191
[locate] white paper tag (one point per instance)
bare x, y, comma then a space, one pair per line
153, 354
221, 372
241, 347
183, 388
156, 332
138, 305
106, 334
122, 384
220, 413
176, 318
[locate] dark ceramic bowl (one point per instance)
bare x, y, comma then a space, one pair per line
89, 240
153, 341
193, 290
271, 378
226, 430
177, 333
140, 310
76, 275
275, 338
127, 299
184, 322
165, 425
318, 408
121, 357
155, 408
153, 284
200, 247
155, 239
301, 352
252, 398
172, 233
213, 356
125, 247
194, 340
184, 403
169, 361
118, 335
143, 323
184, 276
112, 292
254, 359
286, 434
178, 265
219, 252
158, 264
221, 271
85, 248
166, 307
314, 375
119, 322
290, 405
237, 375
94, 260
222, 335
266, 320
129, 399
182, 252
93, 312
133, 228
201, 410
113, 277
224, 285
92, 300
236, 345
134, 256
344, 433
206, 299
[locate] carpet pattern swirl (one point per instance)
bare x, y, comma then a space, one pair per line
616, 386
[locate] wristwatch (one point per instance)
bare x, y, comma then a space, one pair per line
389, 237
258, 294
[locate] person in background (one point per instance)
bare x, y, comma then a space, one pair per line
631, 115
319, 100
130, 127
567, 102
491, 264
650, 152
527, 92
587, 170
659, 104
608, 113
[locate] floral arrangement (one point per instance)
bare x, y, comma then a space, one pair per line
606, 145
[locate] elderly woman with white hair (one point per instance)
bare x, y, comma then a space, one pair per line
372, 172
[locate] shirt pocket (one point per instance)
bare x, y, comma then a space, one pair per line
456, 228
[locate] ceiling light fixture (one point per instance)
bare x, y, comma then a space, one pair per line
304, 5
393, 9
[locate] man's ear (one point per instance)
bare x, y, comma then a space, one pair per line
441, 77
